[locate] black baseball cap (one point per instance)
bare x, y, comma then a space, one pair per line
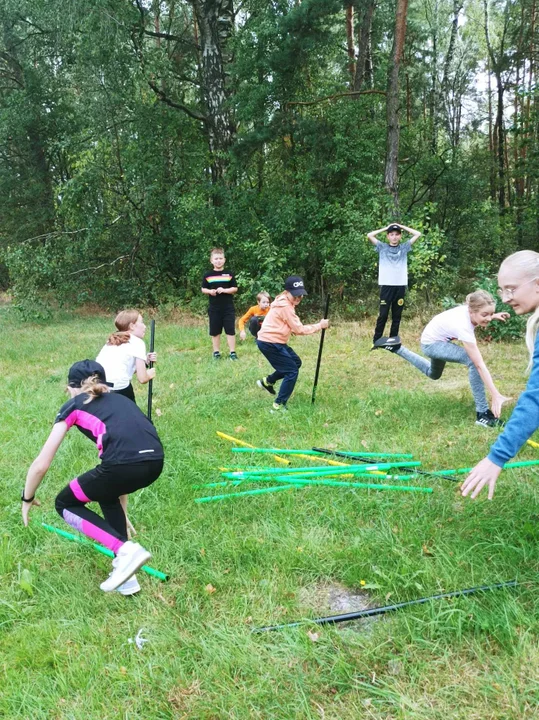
294, 285
394, 228
82, 370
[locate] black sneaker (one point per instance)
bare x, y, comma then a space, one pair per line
384, 343
488, 419
233, 356
216, 355
264, 385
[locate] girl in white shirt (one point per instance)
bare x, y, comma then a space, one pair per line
437, 343
125, 353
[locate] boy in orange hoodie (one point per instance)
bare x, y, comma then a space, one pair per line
278, 325
255, 315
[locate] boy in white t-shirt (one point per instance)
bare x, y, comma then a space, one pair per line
437, 342
392, 275
125, 353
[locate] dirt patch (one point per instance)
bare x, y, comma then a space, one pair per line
325, 599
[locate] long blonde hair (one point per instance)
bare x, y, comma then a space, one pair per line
94, 388
479, 299
122, 321
526, 264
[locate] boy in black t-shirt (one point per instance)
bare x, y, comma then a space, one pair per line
221, 285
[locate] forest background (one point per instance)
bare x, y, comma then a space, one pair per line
136, 135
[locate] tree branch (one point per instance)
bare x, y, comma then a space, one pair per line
178, 106
352, 93
176, 38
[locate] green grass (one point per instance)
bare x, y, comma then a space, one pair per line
64, 650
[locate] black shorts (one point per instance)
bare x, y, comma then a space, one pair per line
255, 323
127, 392
222, 319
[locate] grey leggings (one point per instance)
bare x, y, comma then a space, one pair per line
440, 353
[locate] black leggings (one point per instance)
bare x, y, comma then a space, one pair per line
104, 485
127, 392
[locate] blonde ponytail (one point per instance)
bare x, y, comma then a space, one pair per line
94, 388
526, 264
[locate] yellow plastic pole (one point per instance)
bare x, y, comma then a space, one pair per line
241, 442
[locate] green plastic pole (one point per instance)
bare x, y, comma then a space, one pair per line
340, 483
507, 466
316, 453
103, 550
348, 470
259, 491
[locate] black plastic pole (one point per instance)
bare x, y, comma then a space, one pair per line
319, 360
332, 619
359, 457
150, 384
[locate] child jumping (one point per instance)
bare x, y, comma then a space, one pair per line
131, 457
279, 324
518, 280
392, 275
220, 286
125, 353
437, 338
255, 315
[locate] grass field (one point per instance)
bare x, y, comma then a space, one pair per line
245, 562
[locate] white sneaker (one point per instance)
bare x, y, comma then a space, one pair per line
130, 557
130, 587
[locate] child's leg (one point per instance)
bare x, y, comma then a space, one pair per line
424, 366
383, 312
229, 325
272, 355
454, 353
216, 342
290, 364
104, 485
397, 306
216, 328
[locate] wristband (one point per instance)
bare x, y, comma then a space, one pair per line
27, 499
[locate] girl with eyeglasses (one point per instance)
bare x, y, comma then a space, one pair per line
518, 279
438, 344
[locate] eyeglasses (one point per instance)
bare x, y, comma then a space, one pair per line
509, 293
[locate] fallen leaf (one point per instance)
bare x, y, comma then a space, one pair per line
210, 589
158, 412
123, 670
240, 429
248, 620
378, 412
172, 385
427, 551
388, 596
202, 552
25, 582
326, 424
226, 571
299, 548
313, 636
365, 444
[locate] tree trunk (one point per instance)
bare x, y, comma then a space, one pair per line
350, 43
363, 56
392, 110
215, 21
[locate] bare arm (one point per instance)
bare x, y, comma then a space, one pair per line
497, 399
41, 464
209, 291
227, 291
372, 235
414, 233
144, 374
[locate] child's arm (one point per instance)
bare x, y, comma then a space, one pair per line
209, 291
297, 327
414, 233
227, 291
243, 319
372, 235
144, 374
503, 316
497, 399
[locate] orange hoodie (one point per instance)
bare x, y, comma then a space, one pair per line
282, 321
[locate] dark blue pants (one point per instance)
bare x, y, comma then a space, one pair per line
286, 364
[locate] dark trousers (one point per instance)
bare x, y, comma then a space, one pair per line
286, 364
127, 392
104, 485
391, 298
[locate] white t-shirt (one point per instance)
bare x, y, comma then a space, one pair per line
119, 361
454, 324
393, 263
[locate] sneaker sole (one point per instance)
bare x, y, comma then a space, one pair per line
137, 561
130, 590
263, 387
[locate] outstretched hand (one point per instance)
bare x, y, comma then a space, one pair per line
484, 473
503, 316
26, 509
497, 403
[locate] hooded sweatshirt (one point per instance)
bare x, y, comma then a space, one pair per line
282, 321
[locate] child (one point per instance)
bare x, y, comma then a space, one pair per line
279, 324
459, 323
221, 286
255, 315
518, 279
131, 458
125, 352
392, 275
